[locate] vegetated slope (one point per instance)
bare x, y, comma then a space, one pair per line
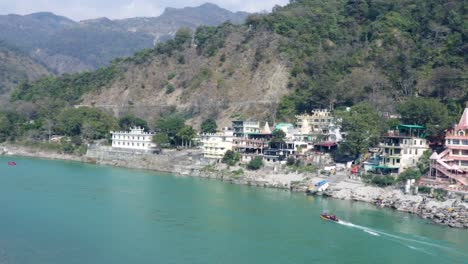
318, 53
231, 71
66, 46
345, 52
16, 67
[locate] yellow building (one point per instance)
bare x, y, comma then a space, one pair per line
215, 145
315, 123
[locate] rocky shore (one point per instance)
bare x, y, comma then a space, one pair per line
452, 212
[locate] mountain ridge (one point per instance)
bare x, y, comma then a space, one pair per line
62, 43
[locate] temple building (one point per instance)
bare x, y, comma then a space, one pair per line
136, 140
451, 165
402, 148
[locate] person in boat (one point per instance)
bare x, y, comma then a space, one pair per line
333, 217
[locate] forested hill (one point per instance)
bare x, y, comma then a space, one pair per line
67, 46
336, 53
16, 67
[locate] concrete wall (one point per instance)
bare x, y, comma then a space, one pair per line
183, 162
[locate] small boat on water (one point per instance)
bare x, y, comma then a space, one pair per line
329, 217
12, 163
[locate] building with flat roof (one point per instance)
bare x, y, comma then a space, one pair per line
245, 128
402, 148
215, 145
136, 140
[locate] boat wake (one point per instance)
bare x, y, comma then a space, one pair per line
395, 238
365, 229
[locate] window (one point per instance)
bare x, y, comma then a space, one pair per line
420, 142
448, 142
416, 151
455, 141
455, 152
465, 152
410, 151
414, 142
465, 142
398, 161
464, 163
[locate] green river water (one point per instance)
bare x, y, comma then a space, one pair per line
66, 212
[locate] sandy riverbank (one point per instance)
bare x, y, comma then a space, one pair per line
452, 212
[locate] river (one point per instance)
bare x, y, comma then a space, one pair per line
67, 212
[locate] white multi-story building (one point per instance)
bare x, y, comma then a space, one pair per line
215, 145
136, 139
245, 128
402, 148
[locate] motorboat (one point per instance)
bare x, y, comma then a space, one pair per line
329, 217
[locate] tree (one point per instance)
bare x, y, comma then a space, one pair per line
409, 174
255, 164
424, 162
161, 139
209, 126
183, 36
170, 126
426, 112
6, 127
363, 127
186, 135
128, 121
231, 158
90, 123
277, 139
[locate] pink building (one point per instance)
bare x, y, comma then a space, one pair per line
451, 165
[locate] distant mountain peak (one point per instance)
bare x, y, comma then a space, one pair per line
49, 16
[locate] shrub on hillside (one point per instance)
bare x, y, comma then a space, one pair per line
255, 164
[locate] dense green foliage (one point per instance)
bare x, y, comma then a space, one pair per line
426, 112
363, 126
6, 126
409, 174
209, 126
128, 121
185, 135
231, 158
255, 164
90, 123
67, 88
210, 39
424, 162
171, 130
345, 52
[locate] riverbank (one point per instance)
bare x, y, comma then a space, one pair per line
452, 212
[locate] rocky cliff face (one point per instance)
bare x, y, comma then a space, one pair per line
245, 77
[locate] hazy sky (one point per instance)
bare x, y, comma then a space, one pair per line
85, 9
